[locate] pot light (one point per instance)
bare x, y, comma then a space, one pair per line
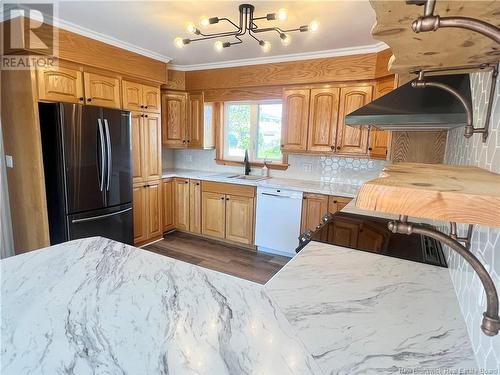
282, 14
314, 26
285, 39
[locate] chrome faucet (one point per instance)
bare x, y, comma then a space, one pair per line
247, 164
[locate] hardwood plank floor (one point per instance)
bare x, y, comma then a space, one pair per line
219, 256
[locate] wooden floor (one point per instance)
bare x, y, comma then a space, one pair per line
246, 264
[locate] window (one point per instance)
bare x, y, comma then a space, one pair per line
252, 126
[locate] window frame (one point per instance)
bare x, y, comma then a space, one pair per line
254, 131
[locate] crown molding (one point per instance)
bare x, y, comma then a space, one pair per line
74, 28
373, 48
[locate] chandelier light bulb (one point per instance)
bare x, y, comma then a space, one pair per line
179, 43
285, 39
218, 45
204, 21
266, 46
282, 14
314, 26
191, 28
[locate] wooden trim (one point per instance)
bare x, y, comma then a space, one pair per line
222, 240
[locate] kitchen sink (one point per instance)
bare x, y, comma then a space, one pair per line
250, 178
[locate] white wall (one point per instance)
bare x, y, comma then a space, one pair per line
486, 241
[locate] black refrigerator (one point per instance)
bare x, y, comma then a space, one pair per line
88, 171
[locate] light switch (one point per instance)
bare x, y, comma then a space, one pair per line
9, 161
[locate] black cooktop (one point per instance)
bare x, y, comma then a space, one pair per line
371, 234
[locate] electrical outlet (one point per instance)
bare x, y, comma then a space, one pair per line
307, 167
9, 161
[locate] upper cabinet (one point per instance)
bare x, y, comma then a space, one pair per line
174, 119
295, 119
352, 139
139, 97
185, 123
146, 147
102, 91
323, 116
62, 85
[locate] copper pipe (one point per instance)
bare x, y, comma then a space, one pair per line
491, 322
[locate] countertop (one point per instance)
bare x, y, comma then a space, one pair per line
318, 187
98, 306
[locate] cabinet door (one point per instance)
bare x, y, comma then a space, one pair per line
196, 118
240, 219
336, 204
323, 115
174, 120
195, 206
154, 209
138, 152
379, 139
151, 99
295, 119
213, 214
344, 233
152, 148
314, 207
132, 96
60, 85
168, 205
101, 90
139, 200
352, 139
181, 203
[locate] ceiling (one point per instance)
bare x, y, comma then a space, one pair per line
151, 26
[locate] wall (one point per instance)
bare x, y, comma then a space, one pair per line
303, 167
486, 241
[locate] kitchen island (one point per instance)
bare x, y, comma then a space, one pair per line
98, 306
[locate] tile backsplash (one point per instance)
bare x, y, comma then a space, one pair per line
486, 241
304, 167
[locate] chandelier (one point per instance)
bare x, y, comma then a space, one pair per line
246, 25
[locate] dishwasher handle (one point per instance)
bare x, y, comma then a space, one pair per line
279, 196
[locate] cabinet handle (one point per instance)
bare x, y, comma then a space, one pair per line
369, 149
142, 115
188, 141
304, 198
222, 198
146, 106
183, 141
338, 147
335, 202
332, 147
80, 98
227, 199
145, 115
197, 184
186, 182
89, 99
282, 146
142, 106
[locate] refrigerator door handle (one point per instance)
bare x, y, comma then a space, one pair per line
74, 221
101, 136
110, 157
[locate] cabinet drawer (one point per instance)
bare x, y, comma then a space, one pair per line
224, 188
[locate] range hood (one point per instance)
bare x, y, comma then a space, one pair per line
417, 109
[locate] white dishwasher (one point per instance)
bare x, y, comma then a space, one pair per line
277, 223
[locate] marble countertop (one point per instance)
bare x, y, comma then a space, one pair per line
318, 187
98, 306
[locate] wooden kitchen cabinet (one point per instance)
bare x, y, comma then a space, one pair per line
380, 139
147, 212
240, 219
213, 213
323, 115
181, 203
102, 91
352, 140
146, 147
314, 207
174, 119
60, 85
195, 120
295, 119
336, 204
345, 233
139, 97
168, 205
195, 206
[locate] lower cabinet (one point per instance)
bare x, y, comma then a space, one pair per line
337, 203
195, 206
147, 205
228, 212
185, 205
181, 203
315, 206
168, 205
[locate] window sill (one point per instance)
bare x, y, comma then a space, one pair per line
276, 166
